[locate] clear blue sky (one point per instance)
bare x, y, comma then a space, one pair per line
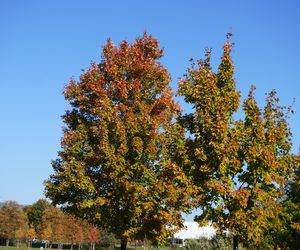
44, 43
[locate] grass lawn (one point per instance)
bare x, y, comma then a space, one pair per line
22, 247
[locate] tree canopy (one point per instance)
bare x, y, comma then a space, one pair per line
13, 221
35, 212
117, 168
239, 165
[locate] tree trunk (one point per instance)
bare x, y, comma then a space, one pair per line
29, 244
235, 243
123, 244
18, 244
7, 242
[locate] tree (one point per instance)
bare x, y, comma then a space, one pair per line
240, 166
35, 213
30, 235
46, 234
51, 226
60, 227
13, 220
293, 193
94, 237
287, 235
114, 168
74, 229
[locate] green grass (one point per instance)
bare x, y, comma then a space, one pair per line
22, 247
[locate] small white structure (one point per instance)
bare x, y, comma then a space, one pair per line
192, 230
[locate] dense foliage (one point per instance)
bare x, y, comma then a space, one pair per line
240, 166
115, 168
12, 221
35, 213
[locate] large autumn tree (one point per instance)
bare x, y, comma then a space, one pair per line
115, 168
240, 166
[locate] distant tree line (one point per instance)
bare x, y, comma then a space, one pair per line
45, 223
